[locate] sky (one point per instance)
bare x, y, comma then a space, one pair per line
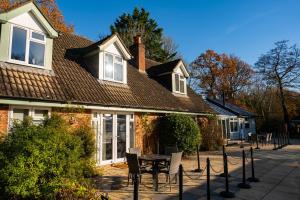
245, 28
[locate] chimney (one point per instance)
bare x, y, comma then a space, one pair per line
138, 51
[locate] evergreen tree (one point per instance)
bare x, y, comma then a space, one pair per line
139, 22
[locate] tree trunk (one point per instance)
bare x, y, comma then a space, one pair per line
283, 105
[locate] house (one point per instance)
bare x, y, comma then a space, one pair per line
101, 83
236, 122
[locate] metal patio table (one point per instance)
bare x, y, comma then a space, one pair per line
155, 159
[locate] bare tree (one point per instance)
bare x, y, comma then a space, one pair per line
281, 68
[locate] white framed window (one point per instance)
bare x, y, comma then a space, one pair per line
247, 124
113, 67
27, 47
180, 84
19, 113
233, 125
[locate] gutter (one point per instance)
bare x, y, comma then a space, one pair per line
94, 107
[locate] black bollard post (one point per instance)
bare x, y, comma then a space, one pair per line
198, 161
223, 150
252, 178
208, 178
257, 142
136, 187
243, 184
226, 193
180, 182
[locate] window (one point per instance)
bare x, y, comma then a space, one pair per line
131, 131
28, 47
247, 124
19, 114
113, 67
179, 83
233, 125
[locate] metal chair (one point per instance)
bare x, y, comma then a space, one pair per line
134, 167
172, 170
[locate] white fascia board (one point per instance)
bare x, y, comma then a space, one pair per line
115, 39
94, 107
183, 68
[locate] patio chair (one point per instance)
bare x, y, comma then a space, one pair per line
172, 170
134, 167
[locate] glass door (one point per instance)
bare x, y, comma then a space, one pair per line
121, 138
107, 139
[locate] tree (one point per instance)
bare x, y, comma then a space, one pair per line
139, 22
220, 74
206, 69
281, 68
49, 8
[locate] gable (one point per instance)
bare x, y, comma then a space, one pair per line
30, 7
27, 20
181, 69
112, 48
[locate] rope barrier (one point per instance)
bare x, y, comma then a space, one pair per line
231, 162
217, 172
198, 176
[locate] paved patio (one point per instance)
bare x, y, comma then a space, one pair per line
279, 172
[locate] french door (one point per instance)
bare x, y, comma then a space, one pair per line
112, 136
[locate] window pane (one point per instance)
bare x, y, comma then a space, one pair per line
131, 132
40, 113
118, 72
37, 36
176, 82
118, 59
20, 114
181, 86
107, 137
18, 44
36, 53
108, 66
121, 136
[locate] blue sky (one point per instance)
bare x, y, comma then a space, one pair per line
244, 28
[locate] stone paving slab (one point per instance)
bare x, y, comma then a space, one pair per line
279, 172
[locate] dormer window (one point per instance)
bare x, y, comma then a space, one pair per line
113, 67
179, 83
27, 47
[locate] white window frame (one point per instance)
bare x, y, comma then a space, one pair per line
31, 112
98, 119
27, 47
234, 120
179, 79
113, 69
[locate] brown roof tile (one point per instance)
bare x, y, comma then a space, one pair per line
71, 82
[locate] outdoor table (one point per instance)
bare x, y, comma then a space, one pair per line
155, 159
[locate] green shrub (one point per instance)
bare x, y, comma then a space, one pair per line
181, 130
211, 136
36, 160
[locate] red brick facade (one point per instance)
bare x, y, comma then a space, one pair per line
4, 110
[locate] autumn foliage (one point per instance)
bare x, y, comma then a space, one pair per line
48, 7
221, 74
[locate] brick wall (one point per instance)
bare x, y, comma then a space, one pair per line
145, 139
3, 119
75, 118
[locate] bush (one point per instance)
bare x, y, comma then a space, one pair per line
36, 160
211, 135
181, 130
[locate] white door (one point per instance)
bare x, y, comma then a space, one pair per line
112, 137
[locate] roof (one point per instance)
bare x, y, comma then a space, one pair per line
163, 68
231, 108
71, 82
219, 110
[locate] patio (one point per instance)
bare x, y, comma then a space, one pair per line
279, 172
